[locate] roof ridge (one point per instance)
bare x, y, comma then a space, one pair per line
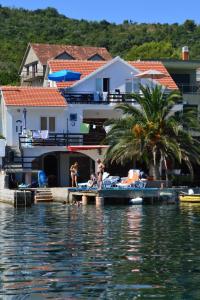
67, 45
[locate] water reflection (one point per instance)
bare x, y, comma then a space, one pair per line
69, 252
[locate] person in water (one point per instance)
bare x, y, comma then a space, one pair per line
100, 171
74, 174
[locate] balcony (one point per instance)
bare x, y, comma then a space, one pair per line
188, 88
26, 77
62, 139
94, 98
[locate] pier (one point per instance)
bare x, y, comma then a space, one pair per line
123, 195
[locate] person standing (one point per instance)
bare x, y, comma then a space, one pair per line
100, 171
74, 174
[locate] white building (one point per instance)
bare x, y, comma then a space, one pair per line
40, 123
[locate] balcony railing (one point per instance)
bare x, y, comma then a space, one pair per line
62, 139
188, 88
31, 75
95, 98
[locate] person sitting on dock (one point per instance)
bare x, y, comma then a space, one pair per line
92, 181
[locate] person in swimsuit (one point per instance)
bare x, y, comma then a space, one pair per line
100, 171
74, 174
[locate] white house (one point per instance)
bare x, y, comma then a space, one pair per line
44, 124
35, 59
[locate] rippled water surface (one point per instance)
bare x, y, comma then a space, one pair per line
117, 252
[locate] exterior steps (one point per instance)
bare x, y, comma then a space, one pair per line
43, 195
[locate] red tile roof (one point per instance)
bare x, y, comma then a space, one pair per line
158, 66
49, 51
32, 96
87, 67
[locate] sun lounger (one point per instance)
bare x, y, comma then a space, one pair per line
133, 176
111, 181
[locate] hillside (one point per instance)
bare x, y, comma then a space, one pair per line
130, 40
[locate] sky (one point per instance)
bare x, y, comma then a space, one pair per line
146, 11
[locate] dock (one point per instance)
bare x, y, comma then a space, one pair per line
123, 195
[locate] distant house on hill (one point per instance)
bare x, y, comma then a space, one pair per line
34, 62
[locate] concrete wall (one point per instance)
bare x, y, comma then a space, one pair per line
60, 194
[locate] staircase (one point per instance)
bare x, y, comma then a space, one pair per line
13, 158
43, 195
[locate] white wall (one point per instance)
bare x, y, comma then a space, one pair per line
32, 57
118, 72
33, 116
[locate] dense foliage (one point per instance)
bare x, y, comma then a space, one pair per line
18, 27
151, 133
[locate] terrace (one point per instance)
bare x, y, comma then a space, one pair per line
61, 139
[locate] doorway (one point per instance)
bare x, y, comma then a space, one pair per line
50, 165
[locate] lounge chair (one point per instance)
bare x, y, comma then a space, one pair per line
133, 176
111, 181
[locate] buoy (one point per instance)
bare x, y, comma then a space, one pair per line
137, 200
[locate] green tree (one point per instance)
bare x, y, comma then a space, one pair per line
152, 133
153, 50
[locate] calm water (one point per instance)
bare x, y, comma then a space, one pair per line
66, 252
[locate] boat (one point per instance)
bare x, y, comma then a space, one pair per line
189, 197
137, 200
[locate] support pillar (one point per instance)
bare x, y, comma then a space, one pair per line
84, 200
99, 201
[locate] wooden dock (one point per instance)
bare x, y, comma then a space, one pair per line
123, 195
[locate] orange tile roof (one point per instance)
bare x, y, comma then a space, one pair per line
50, 51
158, 66
32, 96
86, 67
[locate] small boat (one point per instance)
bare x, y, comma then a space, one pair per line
137, 200
189, 197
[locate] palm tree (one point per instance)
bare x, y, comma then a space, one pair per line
152, 133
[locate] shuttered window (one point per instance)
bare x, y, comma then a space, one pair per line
48, 123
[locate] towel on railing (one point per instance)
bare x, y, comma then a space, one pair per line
44, 134
41, 134
36, 134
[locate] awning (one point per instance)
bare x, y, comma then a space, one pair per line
86, 147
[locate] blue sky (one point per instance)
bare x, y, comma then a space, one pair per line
163, 11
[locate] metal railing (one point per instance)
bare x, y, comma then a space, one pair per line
30, 75
62, 139
92, 98
188, 88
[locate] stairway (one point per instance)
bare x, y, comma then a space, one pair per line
43, 195
13, 158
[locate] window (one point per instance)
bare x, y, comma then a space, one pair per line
27, 70
128, 86
102, 84
43, 123
48, 123
99, 85
73, 117
52, 124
